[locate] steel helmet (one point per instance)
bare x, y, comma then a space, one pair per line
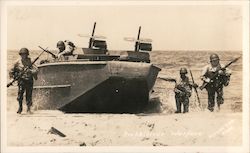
183, 70
60, 43
23, 51
214, 57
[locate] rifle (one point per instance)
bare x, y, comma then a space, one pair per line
195, 89
217, 72
181, 90
45, 50
24, 69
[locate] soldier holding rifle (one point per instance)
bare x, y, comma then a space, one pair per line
23, 72
215, 77
183, 89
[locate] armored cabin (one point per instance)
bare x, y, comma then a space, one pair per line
97, 82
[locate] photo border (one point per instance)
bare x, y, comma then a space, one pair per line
245, 87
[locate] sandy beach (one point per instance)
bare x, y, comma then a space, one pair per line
193, 129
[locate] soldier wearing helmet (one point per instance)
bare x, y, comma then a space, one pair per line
23, 51
25, 83
215, 86
182, 90
65, 48
183, 71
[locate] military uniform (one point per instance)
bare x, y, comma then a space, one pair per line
25, 82
182, 90
215, 86
66, 48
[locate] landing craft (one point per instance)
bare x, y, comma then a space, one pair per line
96, 81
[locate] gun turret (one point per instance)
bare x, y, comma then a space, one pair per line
141, 44
97, 41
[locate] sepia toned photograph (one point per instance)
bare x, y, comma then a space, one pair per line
125, 76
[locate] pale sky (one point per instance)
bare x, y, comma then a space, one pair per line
171, 27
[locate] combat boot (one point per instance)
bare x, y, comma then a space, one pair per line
178, 111
28, 109
20, 109
218, 107
211, 109
185, 109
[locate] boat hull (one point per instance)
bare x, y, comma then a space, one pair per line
100, 86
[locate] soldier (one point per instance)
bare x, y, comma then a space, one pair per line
65, 48
25, 83
183, 89
215, 85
